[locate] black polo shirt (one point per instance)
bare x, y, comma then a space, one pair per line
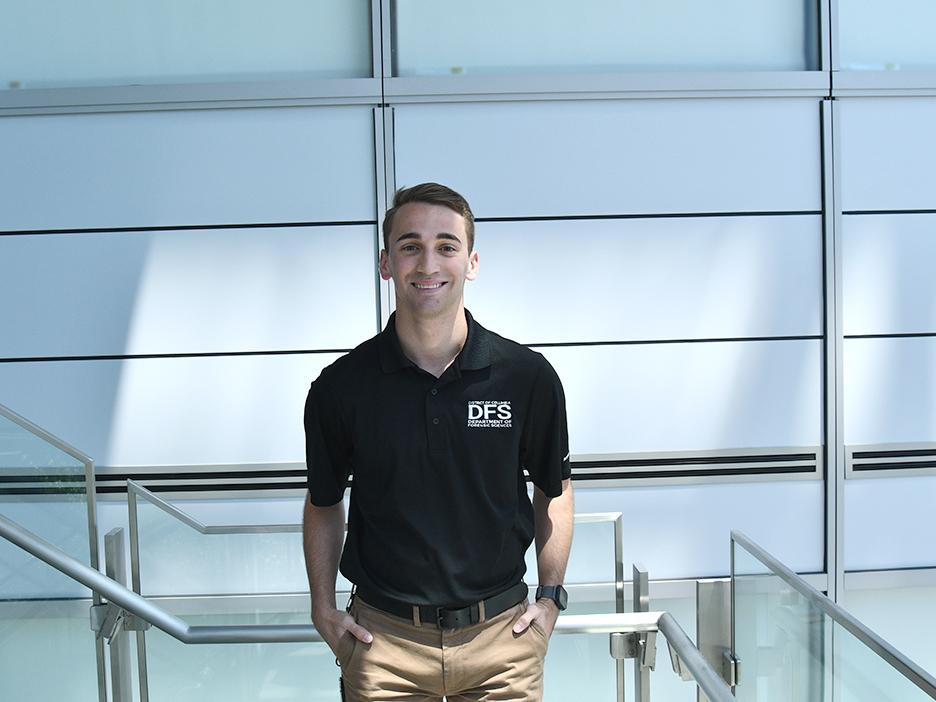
439, 512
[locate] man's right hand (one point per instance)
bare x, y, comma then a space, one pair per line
333, 623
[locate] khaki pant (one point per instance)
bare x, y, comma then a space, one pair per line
483, 662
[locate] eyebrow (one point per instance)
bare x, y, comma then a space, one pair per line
440, 235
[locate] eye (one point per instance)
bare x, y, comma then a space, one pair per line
409, 248
447, 248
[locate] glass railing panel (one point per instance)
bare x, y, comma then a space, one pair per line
176, 558
44, 623
886, 610
286, 672
861, 675
780, 637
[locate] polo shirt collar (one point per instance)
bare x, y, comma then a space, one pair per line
475, 354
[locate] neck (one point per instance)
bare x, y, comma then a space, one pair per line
432, 343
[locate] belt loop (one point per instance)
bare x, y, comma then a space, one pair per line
481, 614
417, 620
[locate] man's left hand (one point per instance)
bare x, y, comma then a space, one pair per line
544, 612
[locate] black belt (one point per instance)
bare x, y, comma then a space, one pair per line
442, 617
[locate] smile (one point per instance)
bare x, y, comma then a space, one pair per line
428, 286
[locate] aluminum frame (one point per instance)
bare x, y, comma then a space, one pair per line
903, 665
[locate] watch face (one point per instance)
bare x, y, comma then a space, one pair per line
562, 598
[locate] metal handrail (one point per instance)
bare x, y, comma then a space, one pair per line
129, 601
906, 667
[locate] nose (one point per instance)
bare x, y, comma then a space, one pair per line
427, 261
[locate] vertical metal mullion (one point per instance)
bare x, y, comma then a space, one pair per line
825, 38
388, 24
833, 34
376, 39
834, 420
387, 297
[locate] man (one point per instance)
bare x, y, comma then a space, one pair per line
436, 420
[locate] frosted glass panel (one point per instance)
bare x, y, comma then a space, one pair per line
673, 397
889, 283
175, 168
616, 157
888, 152
48, 651
890, 390
888, 611
629, 279
171, 411
886, 36
888, 523
53, 43
188, 291
496, 37
682, 531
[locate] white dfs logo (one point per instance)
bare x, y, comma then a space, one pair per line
490, 413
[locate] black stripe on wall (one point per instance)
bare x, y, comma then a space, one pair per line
185, 227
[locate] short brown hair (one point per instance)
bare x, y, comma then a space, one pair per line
432, 194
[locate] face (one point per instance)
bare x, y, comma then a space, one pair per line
428, 259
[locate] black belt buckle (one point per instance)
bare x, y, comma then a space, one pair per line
456, 618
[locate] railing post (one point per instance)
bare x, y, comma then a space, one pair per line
713, 628
116, 569
641, 586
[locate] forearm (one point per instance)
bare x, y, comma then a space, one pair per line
322, 536
554, 519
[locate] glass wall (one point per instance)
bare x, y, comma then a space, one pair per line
55, 43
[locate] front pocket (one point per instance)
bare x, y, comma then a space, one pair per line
346, 646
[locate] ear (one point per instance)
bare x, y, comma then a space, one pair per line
472, 266
385, 271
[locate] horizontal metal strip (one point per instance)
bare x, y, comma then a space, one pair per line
649, 342
703, 460
708, 472
894, 453
286, 352
657, 215
33, 478
902, 465
904, 335
186, 227
200, 354
42, 491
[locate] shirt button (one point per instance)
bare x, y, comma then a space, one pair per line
435, 420
435, 391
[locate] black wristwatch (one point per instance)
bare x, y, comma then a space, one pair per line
556, 593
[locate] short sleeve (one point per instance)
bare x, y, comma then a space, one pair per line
328, 456
545, 442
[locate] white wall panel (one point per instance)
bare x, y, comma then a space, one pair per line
616, 157
133, 42
889, 523
671, 278
187, 291
889, 284
890, 390
553, 35
671, 397
163, 411
173, 168
682, 531
888, 152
